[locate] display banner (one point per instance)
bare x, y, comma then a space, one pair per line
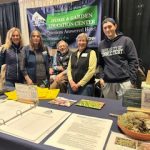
66, 21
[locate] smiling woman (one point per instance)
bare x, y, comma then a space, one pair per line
9, 55
81, 68
34, 62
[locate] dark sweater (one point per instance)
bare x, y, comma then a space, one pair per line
118, 59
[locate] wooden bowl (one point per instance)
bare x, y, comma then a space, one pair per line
133, 134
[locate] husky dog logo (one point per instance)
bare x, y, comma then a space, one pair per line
37, 19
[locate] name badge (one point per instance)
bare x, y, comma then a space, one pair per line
84, 55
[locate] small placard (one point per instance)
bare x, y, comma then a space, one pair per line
132, 98
26, 93
145, 98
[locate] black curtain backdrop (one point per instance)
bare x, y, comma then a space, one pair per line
9, 17
109, 9
134, 21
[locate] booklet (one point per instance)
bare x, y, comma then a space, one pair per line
118, 141
145, 98
62, 101
81, 132
132, 98
29, 123
90, 104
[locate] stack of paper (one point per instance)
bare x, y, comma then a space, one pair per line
81, 132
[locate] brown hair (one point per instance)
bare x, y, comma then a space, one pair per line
109, 20
40, 45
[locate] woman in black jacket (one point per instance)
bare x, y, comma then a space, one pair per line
9, 55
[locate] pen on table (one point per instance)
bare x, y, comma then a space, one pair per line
113, 115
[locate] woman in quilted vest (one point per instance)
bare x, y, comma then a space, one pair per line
9, 55
34, 61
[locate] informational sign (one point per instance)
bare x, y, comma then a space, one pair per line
66, 21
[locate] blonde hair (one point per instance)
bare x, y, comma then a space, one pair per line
82, 35
8, 41
41, 46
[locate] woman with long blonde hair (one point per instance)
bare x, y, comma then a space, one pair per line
9, 55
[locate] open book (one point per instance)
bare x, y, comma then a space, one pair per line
11, 109
28, 122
